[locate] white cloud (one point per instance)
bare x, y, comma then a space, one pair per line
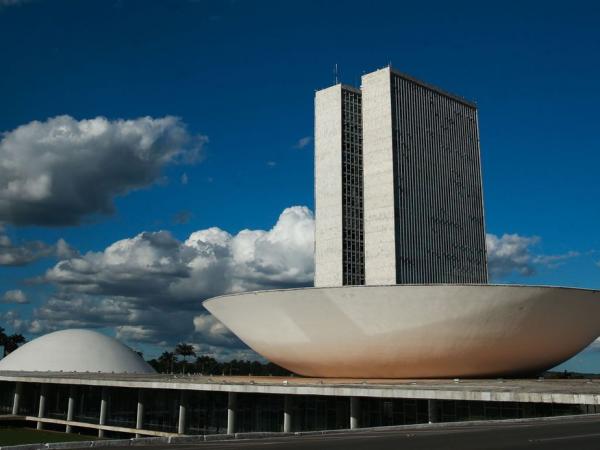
207, 326
12, 254
59, 171
23, 253
303, 142
149, 287
184, 178
16, 296
554, 261
510, 253
513, 253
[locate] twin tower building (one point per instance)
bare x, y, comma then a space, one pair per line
398, 191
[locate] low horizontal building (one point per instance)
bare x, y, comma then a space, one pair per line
163, 405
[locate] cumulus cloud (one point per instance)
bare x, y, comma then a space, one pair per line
150, 287
59, 171
16, 296
23, 253
512, 253
303, 142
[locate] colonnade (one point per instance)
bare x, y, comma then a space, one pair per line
181, 420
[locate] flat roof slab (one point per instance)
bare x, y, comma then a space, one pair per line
542, 390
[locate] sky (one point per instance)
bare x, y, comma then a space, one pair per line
156, 153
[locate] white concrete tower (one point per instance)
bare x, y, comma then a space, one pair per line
339, 250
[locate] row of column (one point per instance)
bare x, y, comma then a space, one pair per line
181, 425
70, 407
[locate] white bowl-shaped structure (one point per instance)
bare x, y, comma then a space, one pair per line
75, 351
410, 331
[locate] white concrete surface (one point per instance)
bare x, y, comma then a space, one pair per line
328, 187
413, 331
231, 412
378, 179
75, 351
566, 391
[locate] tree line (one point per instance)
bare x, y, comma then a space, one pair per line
10, 343
169, 362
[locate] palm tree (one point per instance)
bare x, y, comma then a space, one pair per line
184, 350
167, 359
3, 337
10, 343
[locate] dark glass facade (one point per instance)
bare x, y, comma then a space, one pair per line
438, 203
206, 411
7, 393
161, 410
87, 401
259, 412
57, 401
352, 188
315, 412
122, 407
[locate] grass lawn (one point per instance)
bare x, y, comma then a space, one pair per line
16, 436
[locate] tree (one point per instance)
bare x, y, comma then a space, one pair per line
12, 342
184, 350
166, 361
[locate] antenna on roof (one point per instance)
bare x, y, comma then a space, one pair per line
335, 74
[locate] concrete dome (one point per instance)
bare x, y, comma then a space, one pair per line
75, 351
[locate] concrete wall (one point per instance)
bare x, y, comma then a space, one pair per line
378, 164
328, 187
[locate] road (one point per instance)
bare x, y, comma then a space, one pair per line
578, 433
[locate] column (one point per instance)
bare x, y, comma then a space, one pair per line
182, 408
139, 419
432, 410
231, 406
354, 412
70, 408
42, 406
17, 398
103, 410
287, 414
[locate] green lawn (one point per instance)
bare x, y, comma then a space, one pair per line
16, 436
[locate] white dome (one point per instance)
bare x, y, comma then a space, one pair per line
75, 351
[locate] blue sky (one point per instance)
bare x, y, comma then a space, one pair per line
241, 76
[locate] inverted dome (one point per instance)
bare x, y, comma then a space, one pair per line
75, 351
413, 331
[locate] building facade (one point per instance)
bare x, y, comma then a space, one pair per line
398, 190
169, 406
339, 240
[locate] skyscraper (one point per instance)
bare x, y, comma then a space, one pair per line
339, 242
397, 185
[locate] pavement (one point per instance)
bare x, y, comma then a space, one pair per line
565, 434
